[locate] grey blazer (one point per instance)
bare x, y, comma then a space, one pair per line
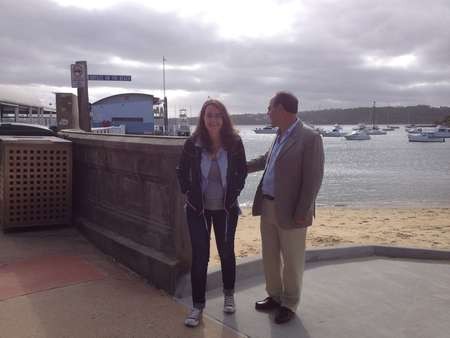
298, 177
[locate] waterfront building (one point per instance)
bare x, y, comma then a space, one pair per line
134, 110
27, 112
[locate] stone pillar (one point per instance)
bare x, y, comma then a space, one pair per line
67, 111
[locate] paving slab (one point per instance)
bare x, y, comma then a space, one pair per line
364, 297
54, 284
44, 273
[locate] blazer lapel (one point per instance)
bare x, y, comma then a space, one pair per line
269, 155
291, 140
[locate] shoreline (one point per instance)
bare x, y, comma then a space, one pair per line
424, 227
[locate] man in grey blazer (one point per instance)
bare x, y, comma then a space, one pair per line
285, 200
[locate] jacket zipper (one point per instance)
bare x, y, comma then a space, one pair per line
226, 215
225, 198
190, 204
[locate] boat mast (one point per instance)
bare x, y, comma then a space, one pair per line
373, 114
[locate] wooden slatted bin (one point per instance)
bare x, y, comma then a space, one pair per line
35, 181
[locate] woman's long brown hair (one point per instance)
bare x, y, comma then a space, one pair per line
228, 134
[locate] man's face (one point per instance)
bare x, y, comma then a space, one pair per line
274, 113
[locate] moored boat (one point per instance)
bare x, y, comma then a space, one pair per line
360, 126
442, 131
375, 130
337, 131
357, 135
266, 130
425, 137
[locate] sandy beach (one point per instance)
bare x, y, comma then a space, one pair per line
412, 227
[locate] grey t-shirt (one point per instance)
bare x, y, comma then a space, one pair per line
214, 193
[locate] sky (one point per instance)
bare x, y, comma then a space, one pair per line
331, 54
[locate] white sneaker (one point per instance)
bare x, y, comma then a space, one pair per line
228, 304
194, 318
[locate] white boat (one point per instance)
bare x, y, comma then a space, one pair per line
414, 130
425, 137
320, 130
266, 130
360, 126
388, 128
393, 127
357, 135
375, 130
442, 131
337, 131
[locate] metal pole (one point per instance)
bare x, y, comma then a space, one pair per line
166, 115
164, 76
83, 101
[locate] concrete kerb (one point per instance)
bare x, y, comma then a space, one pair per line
252, 266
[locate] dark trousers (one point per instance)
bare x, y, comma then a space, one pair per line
200, 229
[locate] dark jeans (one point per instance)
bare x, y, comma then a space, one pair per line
200, 229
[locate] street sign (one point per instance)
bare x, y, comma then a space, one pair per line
78, 75
109, 77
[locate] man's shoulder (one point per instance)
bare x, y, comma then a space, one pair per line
307, 132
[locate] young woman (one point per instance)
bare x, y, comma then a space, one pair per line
211, 173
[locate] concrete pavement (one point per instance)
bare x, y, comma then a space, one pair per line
54, 283
364, 297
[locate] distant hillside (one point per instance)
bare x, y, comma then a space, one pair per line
446, 121
383, 115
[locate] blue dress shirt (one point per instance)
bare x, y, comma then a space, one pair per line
268, 183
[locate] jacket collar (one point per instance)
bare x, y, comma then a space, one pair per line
293, 137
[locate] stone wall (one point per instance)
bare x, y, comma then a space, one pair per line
127, 201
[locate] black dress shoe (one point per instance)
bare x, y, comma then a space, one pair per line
284, 315
267, 304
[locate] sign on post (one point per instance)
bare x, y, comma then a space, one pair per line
109, 77
78, 75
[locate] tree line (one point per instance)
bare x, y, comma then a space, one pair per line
419, 114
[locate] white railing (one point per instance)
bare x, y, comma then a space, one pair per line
109, 130
42, 121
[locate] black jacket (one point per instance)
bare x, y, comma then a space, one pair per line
189, 174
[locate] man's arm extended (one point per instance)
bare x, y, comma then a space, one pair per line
257, 164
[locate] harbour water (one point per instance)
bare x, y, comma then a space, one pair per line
386, 171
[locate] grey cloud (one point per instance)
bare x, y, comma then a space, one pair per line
321, 59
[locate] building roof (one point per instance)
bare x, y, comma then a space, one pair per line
156, 100
11, 103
